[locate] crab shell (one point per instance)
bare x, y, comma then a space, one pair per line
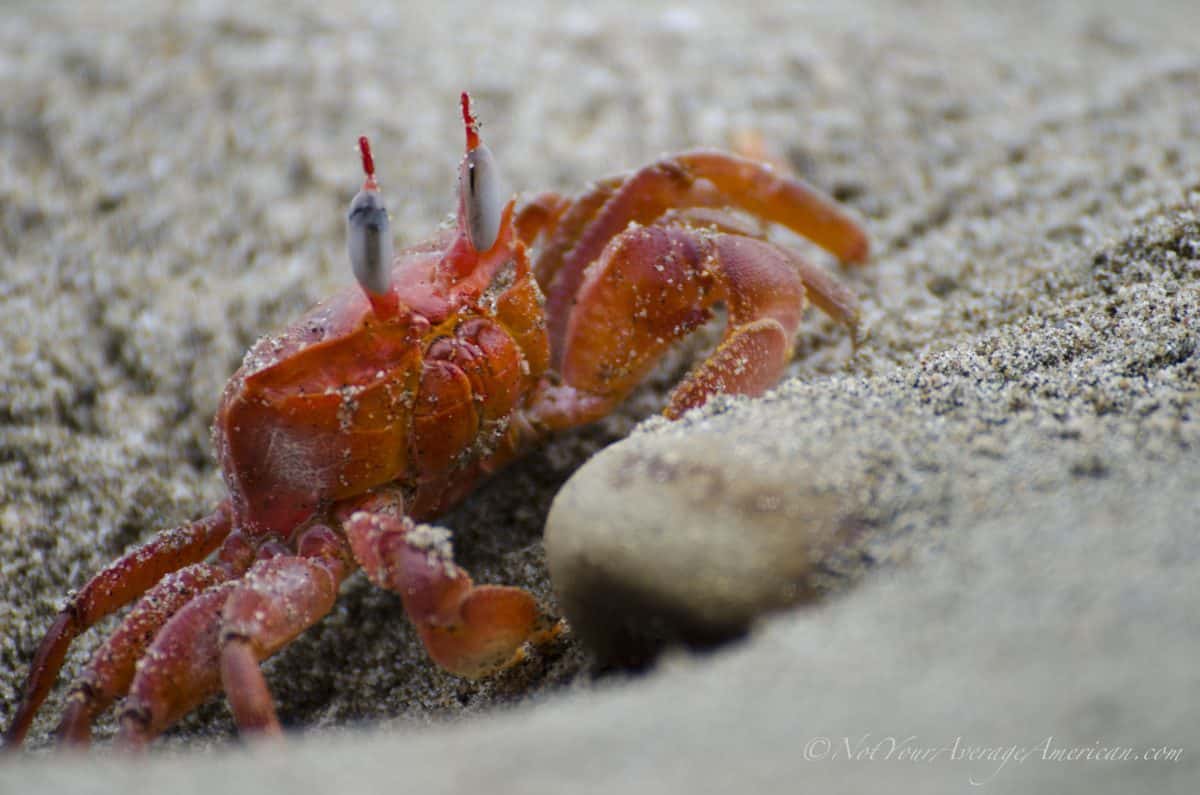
425, 395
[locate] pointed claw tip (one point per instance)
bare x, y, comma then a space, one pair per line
859, 251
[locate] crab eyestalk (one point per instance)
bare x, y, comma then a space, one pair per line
481, 200
369, 238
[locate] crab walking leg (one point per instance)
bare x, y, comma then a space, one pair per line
178, 672
652, 287
768, 194
600, 216
539, 215
116, 586
277, 600
111, 669
572, 221
831, 296
470, 630
701, 178
712, 219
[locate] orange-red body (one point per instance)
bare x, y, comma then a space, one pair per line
428, 397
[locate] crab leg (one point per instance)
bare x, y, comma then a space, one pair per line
540, 214
117, 585
712, 219
179, 671
111, 669
764, 192
221, 635
278, 600
700, 178
572, 221
470, 630
665, 280
832, 297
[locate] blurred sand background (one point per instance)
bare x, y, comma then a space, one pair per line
173, 178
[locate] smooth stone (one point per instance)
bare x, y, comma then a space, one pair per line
667, 539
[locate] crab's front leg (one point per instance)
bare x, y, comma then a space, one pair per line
470, 630
277, 600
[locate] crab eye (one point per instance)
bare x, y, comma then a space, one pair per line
480, 184
369, 241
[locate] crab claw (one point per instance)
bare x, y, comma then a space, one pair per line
369, 237
481, 198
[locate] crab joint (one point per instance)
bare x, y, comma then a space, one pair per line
368, 234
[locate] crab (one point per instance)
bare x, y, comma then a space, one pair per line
383, 406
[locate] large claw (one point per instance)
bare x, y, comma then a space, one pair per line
469, 630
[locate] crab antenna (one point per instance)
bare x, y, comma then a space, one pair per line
469, 122
368, 163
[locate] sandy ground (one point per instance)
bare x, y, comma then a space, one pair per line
172, 185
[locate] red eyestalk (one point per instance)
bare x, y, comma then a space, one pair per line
469, 122
369, 239
481, 198
368, 163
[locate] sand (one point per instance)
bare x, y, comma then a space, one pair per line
1019, 427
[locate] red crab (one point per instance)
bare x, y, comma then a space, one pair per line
384, 405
